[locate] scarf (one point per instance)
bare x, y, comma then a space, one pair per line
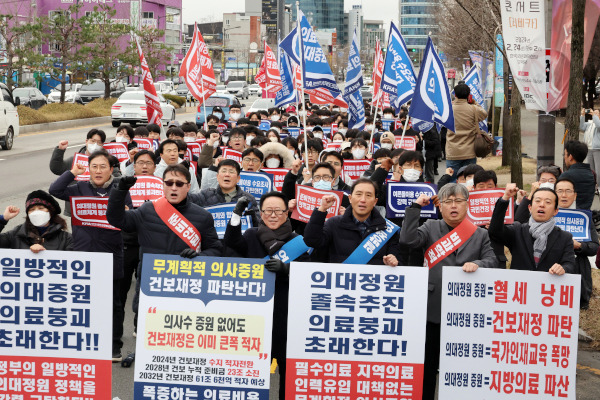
273, 240
105, 185
540, 232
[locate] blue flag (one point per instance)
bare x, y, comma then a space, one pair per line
473, 81
354, 81
315, 68
431, 101
287, 94
398, 74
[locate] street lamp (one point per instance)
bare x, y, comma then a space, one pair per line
223, 48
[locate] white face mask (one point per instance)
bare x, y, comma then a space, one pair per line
249, 139
388, 146
272, 163
338, 141
358, 153
225, 139
275, 117
121, 139
235, 116
189, 139
411, 175
469, 183
548, 185
92, 147
273, 139
39, 217
318, 135
343, 131
215, 144
388, 116
218, 115
368, 128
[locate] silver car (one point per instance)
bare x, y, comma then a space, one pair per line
238, 88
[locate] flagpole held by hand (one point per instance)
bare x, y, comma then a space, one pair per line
301, 66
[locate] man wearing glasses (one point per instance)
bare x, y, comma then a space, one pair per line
463, 244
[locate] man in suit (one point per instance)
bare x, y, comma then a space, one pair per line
469, 246
538, 245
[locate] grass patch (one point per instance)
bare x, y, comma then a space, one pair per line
101, 106
63, 112
589, 320
495, 163
29, 116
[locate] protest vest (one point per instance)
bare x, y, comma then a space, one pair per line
291, 250
449, 243
178, 223
372, 244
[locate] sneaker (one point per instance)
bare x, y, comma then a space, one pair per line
117, 356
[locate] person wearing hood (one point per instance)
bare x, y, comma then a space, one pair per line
218, 112
43, 229
276, 155
92, 239
169, 155
293, 121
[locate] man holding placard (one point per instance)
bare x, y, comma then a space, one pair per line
452, 241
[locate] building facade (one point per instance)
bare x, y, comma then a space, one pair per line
324, 14
417, 21
355, 22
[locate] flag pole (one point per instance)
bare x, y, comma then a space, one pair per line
404, 129
299, 27
201, 77
376, 107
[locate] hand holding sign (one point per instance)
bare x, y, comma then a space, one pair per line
62, 145
423, 200
470, 267
557, 269
78, 169
327, 202
11, 212
510, 191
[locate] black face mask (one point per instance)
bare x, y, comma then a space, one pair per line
255, 123
212, 126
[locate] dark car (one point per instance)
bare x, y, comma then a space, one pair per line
95, 90
30, 97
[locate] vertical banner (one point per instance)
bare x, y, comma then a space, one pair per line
508, 334
204, 329
499, 81
353, 335
524, 33
56, 336
82, 159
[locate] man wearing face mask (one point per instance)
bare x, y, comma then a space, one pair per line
44, 229
359, 149
212, 121
317, 132
218, 112
92, 239
274, 114
292, 121
95, 139
388, 113
235, 113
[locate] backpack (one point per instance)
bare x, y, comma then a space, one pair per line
588, 136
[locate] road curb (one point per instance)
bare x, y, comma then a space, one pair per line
72, 123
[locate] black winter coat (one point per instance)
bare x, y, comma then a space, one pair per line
87, 238
339, 236
559, 249
214, 196
54, 238
433, 144
585, 183
153, 235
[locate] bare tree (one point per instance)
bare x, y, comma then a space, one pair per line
576, 73
157, 53
19, 46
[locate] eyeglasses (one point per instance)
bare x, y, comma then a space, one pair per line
277, 212
565, 191
334, 163
144, 163
450, 202
544, 180
326, 178
313, 153
237, 137
175, 183
251, 160
95, 167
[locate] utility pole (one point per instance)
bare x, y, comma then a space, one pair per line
546, 120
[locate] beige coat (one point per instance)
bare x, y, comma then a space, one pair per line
460, 144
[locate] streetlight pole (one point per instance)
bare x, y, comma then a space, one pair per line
225, 30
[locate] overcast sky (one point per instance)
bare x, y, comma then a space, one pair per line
212, 10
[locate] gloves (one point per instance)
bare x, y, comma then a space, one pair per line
277, 266
126, 182
186, 164
188, 253
241, 205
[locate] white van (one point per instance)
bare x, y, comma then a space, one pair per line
9, 118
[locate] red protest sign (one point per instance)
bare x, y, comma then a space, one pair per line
194, 148
144, 144
90, 211
221, 128
334, 129
201, 142
309, 198
193, 167
408, 143
147, 187
397, 124
117, 149
231, 154
278, 176
481, 206
353, 169
337, 146
83, 160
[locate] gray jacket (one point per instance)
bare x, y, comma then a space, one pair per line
583, 126
160, 171
477, 250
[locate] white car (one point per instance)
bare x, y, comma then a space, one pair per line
255, 89
131, 108
260, 104
9, 120
71, 94
221, 89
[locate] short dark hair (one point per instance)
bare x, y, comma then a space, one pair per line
212, 117
397, 152
410, 155
566, 180
153, 128
275, 193
323, 165
334, 154
243, 121
484, 176
175, 131
98, 132
364, 180
382, 153
255, 151
178, 169
472, 169
236, 106
100, 153
462, 91
141, 131
144, 152
161, 146
359, 142
314, 144
237, 131
577, 149
229, 163
545, 189
259, 140
189, 127
127, 128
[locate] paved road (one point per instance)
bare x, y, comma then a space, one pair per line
25, 168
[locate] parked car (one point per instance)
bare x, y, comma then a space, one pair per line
261, 104
183, 91
224, 101
221, 89
165, 87
95, 90
366, 92
9, 119
30, 97
131, 108
255, 89
71, 94
238, 88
